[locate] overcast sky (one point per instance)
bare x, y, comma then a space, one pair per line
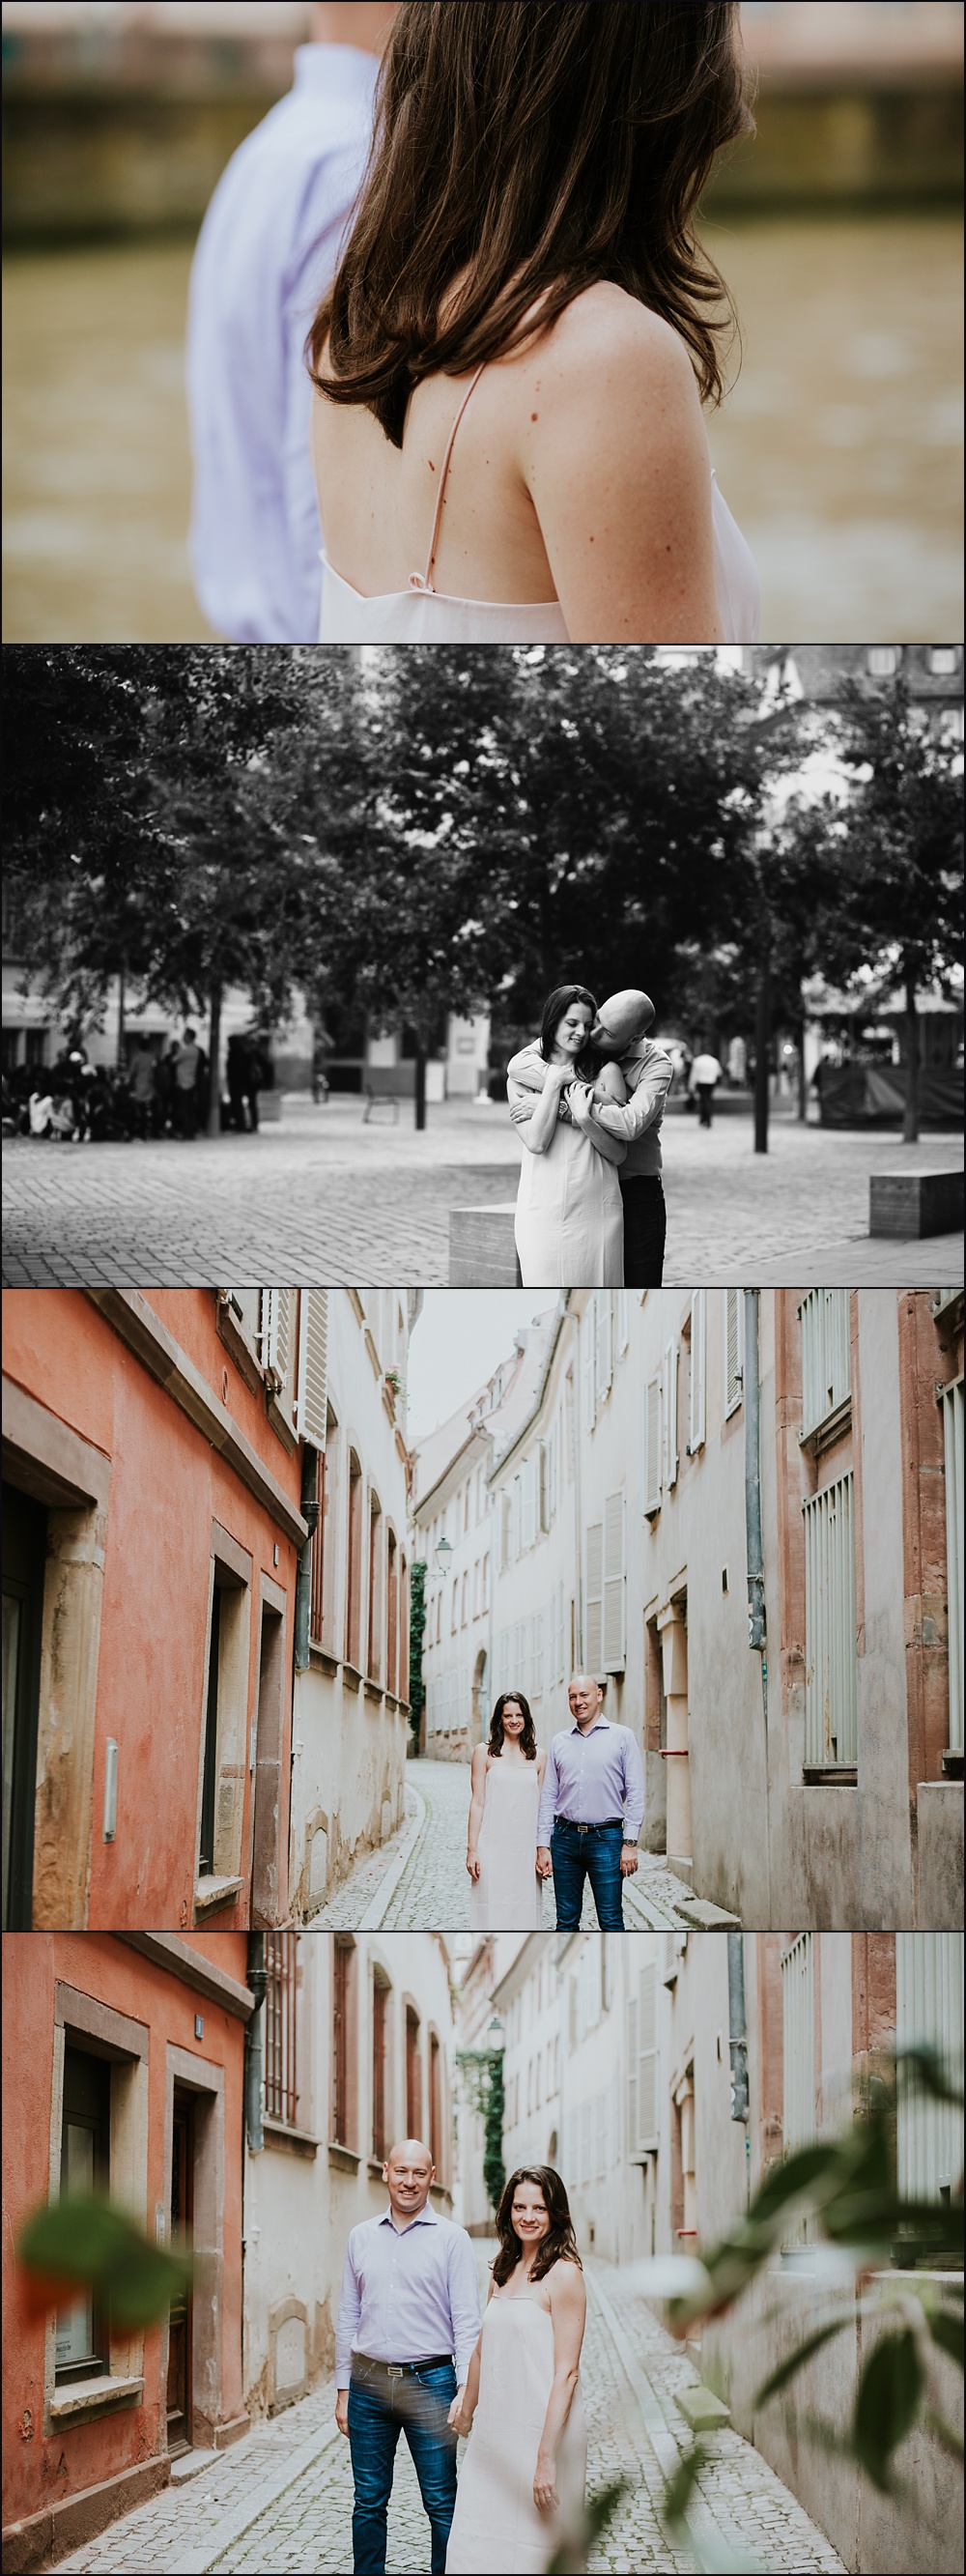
460, 1338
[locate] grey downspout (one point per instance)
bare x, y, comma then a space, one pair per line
257, 1981
303, 1576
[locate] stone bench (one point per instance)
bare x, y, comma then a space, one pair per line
915, 1203
482, 1251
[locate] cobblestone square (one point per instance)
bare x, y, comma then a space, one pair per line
318, 1197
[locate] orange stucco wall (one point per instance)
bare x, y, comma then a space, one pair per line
40, 2470
167, 1486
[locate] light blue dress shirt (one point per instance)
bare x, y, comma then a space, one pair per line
408, 2293
266, 252
592, 1779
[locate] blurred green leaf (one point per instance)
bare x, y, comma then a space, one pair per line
88, 2241
680, 2488
889, 2392
945, 2433
946, 2329
598, 2512
803, 2352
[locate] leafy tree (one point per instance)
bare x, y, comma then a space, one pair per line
417, 1631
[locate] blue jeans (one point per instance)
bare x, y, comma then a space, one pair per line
416, 2406
596, 1855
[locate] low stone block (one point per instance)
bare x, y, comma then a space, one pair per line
705, 2412
915, 1203
482, 1250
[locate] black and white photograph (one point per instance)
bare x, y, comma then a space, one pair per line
483, 1390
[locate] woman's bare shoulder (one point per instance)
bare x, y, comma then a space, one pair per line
605, 326
565, 2281
480, 1758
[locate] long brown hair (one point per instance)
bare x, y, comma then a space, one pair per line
560, 2245
528, 1740
533, 148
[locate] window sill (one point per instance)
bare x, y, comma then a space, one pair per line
375, 2167
297, 2142
212, 1892
87, 2397
351, 1673
833, 1426
831, 1775
322, 1657
952, 1765
375, 1692
344, 2159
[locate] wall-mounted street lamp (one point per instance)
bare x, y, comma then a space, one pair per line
443, 1554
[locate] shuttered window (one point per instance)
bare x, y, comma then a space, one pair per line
594, 1617
826, 1355
831, 1667
734, 1347
652, 1446
642, 2064
313, 1365
952, 1404
929, 2014
605, 1342
615, 1648
278, 1316
671, 1415
697, 1401
798, 2043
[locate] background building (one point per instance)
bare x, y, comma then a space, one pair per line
166, 1460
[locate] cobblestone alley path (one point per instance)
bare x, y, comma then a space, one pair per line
318, 1197
418, 1881
283, 2499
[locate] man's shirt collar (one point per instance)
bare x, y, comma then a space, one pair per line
426, 2215
590, 1730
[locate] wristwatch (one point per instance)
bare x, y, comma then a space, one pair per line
630, 1841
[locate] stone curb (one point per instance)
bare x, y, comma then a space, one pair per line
199, 2562
378, 1906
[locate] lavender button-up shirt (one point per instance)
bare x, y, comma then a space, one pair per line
266, 253
591, 1778
407, 2293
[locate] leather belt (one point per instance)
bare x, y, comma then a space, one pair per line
603, 1827
403, 2369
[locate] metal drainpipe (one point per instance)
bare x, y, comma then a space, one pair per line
753, 1545
303, 1576
737, 2031
257, 1982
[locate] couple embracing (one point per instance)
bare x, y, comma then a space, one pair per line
412, 2357
571, 1814
587, 1099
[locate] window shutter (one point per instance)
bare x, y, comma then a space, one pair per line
594, 1621
277, 1331
314, 1345
589, 1333
652, 1445
647, 2106
633, 2090
734, 1347
605, 1341
831, 1667
671, 1415
699, 1337
622, 1325
614, 1584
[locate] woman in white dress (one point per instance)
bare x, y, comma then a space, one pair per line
520, 2497
523, 267
506, 1777
569, 1222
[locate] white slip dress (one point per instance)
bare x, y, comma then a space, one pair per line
424, 615
496, 2529
569, 1216
508, 1895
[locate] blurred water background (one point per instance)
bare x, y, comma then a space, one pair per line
840, 448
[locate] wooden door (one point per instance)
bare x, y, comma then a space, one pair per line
179, 2324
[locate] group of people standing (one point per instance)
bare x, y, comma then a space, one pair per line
151, 1095
568, 1814
413, 2357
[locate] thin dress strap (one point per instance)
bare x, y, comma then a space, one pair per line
424, 581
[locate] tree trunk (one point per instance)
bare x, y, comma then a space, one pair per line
762, 1038
420, 1086
120, 1018
910, 1121
213, 1127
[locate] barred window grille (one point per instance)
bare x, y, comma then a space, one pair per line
826, 1355
799, 2124
642, 2102
614, 1586
952, 1404
831, 1665
929, 2014
281, 2027
734, 1348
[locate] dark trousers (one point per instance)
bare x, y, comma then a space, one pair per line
577, 1855
704, 1095
379, 2410
645, 1227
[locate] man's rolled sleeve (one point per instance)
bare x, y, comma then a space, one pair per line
350, 2311
633, 1787
464, 2300
548, 1800
646, 1103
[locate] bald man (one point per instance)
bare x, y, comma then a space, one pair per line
267, 252
409, 2308
620, 1033
591, 1810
